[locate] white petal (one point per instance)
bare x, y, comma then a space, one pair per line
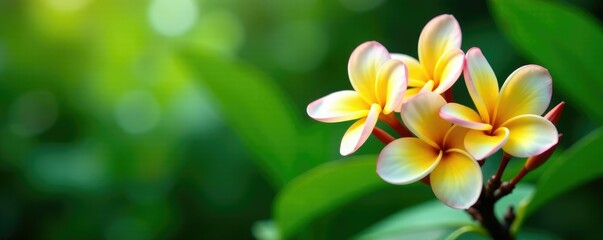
528, 90
463, 116
481, 145
421, 116
529, 135
359, 132
365, 62
441, 34
338, 107
448, 69
391, 85
457, 180
407, 160
417, 77
481, 83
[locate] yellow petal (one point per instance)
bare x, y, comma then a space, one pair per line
481, 145
338, 107
421, 116
448, 69
411, 92
391, 85
463, 116
417, 77
481, 83
359, 132
457, 180
365, 62
407, 160
428, 87
441, 34
455, 138
530, 135
528, 90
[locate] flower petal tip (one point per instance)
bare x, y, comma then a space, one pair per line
473, 51
338, 107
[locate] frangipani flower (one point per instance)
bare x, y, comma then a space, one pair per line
510, 118
379, 84
437, 151
440, 58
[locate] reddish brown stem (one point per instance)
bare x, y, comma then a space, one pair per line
519, 176
395, 124
383, 136
501, 168
508, 187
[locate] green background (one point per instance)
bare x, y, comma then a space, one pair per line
134, 119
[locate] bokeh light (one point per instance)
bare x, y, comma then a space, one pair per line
193, 111
137, 112
220, 31
172, 17
33, 113
63, 168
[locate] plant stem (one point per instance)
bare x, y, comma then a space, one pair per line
483, 212
507, 187
383, 136
519, 176
395, 124
501, 168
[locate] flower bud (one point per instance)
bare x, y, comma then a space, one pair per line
535, 161
555, 113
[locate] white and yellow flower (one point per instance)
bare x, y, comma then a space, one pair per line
440, 60
509, 119
379, 84
437, 151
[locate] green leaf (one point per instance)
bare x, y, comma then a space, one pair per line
322, 189
577, 165
521, 193
529, 234
537, 234
467, 230
562, 38
424, 217
435, 216
255, 108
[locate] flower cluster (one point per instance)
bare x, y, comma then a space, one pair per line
441, 142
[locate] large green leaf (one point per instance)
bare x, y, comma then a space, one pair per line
436, 217
526, 234
431, 216
562, 38
324, 188
579, 164
255, 108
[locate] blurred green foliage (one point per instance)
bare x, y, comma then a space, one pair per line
149, 119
